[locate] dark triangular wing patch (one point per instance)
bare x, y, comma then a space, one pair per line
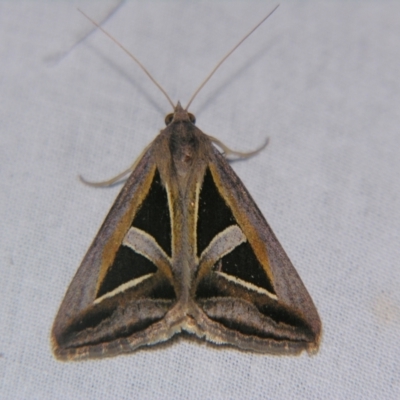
128, 265
153, 218
214, 216
242, 263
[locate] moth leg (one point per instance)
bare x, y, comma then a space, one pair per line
108, 182
116, 178
227, 151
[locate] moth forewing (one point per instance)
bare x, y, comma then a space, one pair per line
84, 326
256, 273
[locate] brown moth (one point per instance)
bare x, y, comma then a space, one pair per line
184, 248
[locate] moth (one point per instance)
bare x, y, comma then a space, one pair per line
184, 248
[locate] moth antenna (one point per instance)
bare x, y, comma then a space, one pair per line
227, 151
60, 56
131, 56
225, 57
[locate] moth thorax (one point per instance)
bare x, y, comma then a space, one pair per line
184, 147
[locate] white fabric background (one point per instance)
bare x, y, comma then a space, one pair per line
321, 79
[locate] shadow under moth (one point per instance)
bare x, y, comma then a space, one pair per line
184, 248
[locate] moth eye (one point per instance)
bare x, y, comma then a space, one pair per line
192, 118
169, 118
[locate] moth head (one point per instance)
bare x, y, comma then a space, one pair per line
179, 114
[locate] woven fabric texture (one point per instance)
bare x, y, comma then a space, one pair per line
320, 79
